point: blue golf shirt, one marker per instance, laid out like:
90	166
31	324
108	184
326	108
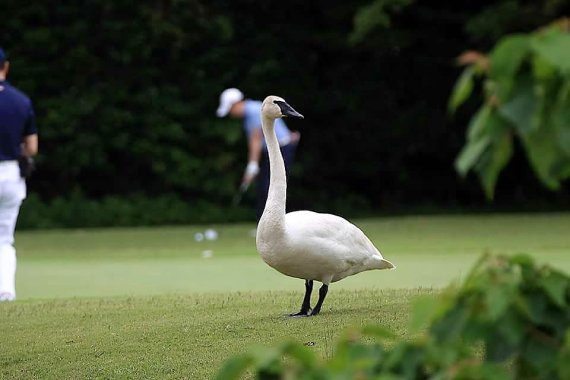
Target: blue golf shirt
17	120
252	121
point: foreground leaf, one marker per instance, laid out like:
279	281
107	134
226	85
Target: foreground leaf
463	88
470	154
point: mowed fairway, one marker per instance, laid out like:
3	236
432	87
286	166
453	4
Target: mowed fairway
144	303
428	251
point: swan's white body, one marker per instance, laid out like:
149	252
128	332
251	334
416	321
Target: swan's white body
321	247
306	244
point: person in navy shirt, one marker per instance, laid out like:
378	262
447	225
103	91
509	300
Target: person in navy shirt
18	140
233	103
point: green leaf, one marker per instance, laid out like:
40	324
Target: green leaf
462	90
543	153
471	152
423	311
304	355
563	171
522	260
497	156
498	349
404	358
535	305
451	325
478	122
553	45
266	359
563	365
540	354
512	328
556	285
506	59
560	117
497	301
542	69
519	110
234	367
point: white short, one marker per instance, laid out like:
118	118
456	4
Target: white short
12	193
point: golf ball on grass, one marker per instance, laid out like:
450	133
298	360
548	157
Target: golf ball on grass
198	236
211	234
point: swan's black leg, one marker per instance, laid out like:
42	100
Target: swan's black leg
306	307
322	294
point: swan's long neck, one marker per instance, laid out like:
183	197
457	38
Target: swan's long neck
274	211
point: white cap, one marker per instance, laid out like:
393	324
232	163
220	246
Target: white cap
228	98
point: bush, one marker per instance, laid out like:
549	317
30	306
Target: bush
509	320
137	210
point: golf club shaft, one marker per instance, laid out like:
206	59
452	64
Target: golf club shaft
242	189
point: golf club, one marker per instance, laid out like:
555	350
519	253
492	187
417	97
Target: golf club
241	191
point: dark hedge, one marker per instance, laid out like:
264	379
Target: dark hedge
125	94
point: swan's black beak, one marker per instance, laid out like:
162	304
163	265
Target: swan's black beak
287	110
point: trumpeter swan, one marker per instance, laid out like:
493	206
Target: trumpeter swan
306	244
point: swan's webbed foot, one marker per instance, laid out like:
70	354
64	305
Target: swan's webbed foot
313	313
302	313
306	306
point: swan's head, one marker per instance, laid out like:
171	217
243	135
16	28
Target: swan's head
276	107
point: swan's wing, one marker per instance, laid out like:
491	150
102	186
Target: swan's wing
331	231
320	247
331	244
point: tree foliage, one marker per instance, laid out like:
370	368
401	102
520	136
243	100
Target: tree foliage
509	320
526	88
125	93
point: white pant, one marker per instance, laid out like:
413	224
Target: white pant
12	193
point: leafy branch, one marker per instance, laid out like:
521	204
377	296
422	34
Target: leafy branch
526	94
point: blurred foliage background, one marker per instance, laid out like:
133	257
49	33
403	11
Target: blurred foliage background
125	93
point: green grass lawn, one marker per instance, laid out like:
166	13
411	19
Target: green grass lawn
143	303
186	336
428	251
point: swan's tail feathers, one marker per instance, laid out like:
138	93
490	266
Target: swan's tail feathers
385	264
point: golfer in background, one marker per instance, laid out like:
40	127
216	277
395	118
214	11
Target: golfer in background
18	143
232	103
